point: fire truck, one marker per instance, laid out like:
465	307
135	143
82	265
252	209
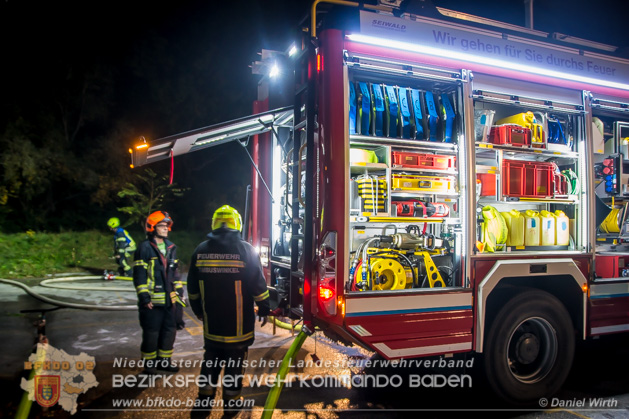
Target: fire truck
431	183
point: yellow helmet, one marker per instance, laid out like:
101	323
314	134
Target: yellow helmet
113	222
226	216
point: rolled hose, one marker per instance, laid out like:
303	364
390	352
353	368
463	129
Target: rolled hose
53	283
65	304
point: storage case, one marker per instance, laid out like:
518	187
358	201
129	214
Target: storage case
527	120
425	161
423	183
528	179
488	184
511	134
612	266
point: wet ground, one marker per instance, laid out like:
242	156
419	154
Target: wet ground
326	380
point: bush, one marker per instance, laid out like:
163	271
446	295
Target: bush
35	255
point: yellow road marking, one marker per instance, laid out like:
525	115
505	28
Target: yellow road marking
571	412
194	319
194	331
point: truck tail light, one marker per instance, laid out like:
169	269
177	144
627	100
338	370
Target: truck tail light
327	281
326	292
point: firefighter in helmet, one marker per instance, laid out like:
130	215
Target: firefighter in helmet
224	281
124	246
160	291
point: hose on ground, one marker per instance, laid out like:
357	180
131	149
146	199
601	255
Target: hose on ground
284	325
274	394
54	283
66	304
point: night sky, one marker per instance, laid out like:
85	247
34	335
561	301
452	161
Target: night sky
182	65
42	36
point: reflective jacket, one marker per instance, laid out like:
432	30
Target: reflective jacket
155	276
224	281
123	242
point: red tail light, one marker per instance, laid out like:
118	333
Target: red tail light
326	292
326	281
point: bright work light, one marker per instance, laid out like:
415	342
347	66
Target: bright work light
275	71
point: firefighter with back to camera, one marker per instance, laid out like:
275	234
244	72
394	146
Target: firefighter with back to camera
160	290
224	281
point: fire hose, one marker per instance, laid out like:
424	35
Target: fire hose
274	394
66	304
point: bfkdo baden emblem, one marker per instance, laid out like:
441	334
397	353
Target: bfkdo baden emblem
47	389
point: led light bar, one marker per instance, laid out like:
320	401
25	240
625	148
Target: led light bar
422	49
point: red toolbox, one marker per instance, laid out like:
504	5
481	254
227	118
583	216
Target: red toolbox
423	161
528	179
510	134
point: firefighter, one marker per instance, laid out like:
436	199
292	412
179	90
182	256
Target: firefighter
124	246
160	290
224	281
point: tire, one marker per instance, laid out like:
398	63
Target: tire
529	348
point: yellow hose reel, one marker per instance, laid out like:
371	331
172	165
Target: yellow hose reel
388	274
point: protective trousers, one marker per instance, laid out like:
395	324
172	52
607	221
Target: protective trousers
123	263
229	356
158	332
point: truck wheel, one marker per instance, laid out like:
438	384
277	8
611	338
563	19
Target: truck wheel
529	347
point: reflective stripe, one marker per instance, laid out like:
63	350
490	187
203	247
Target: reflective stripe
149	355
238	291
231	394
206	324
262	296
141	288
229	339
207	391
164	354
221	263
194	296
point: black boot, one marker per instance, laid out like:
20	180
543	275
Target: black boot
149	367
202	406
166	365
234	410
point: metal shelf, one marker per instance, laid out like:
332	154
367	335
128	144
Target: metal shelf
356	168
407	193
397	168
569	199
414	144
390	219
529	151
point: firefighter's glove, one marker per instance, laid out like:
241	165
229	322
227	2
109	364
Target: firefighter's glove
176	298
263	320
277	312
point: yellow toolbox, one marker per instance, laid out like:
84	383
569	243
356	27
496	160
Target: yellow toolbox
423	183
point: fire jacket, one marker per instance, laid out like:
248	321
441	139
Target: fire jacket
123	242
224	281
155	276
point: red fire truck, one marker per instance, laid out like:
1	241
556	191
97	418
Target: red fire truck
438	183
